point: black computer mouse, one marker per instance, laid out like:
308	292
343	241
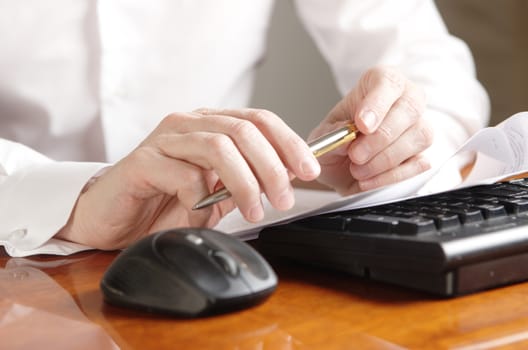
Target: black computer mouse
188	272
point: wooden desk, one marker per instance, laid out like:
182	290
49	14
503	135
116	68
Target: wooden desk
55	302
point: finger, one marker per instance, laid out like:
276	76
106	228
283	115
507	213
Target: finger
290	147
261	157
212	151
412	142
409	168
405	113
155	173
380	88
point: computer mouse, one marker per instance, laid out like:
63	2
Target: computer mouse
188	272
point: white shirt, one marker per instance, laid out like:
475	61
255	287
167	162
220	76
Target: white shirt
83	82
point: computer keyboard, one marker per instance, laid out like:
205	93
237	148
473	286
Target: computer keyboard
450	243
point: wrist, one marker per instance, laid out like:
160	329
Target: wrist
67	232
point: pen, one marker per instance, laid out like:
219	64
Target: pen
319	146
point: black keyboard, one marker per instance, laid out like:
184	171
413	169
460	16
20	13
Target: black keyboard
449	243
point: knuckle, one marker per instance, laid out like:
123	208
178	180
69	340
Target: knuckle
389	159
384	134
427	135
202	110
159	141
296	142
260	113
163	144
367	78
278	171
193	177
393	77
253	186
397	175
141	154
171	119
422	165
371	183
424	136
412	105
243	129
220	145
263	116
384	75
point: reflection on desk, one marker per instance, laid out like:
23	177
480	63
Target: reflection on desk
36	312
56	303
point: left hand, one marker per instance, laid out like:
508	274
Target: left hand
387	109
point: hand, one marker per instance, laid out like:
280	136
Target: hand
188	156
387	109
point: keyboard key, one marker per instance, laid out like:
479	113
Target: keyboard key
492	211
327	222
515	206
369	223
414	225
466	215
443	220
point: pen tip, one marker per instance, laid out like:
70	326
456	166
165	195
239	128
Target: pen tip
196	206
214	198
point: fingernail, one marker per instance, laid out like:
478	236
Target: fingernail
256	213
310	167
369	119
286	200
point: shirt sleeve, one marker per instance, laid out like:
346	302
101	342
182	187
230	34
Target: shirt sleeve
37	196
411	36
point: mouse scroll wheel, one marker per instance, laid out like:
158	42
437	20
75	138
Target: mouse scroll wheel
227	263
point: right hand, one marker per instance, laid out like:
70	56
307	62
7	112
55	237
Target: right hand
388	110
188	156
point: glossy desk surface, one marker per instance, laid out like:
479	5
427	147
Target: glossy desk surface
55	303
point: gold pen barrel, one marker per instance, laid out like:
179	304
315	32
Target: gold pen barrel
333	140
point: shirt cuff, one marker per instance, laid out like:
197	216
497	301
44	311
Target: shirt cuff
37	202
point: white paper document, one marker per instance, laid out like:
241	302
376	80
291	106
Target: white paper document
499	151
